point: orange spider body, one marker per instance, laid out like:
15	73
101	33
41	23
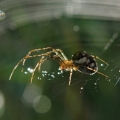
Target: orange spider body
67	65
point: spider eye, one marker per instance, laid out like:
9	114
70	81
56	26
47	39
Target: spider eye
85	62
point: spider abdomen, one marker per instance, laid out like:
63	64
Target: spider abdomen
85	63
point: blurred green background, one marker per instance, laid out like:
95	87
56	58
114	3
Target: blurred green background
71	26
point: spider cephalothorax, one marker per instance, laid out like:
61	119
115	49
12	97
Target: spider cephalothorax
81	61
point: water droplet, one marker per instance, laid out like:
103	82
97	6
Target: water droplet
81	88
59	68
30	70
39	78
26	72
44	71
52	76
95	83
101	64
60	72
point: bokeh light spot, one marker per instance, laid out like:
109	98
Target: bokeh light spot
30	93
76	28
41	104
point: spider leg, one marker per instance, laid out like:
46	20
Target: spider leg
57	58
98	72
103	62
15	68
102	74
61	59
63	55
39	49
39	55
26	57
35	50
32	56
56	51
38	65
71	71
55	54
100	59
60	56
34	71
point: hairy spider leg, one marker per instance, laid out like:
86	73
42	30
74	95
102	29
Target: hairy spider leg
103	62
35	50
38	65
100	59
15	68
55	57
26	57
39	49
71	71
63	55
47	48
98	72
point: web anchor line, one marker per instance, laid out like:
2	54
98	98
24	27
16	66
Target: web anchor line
117	81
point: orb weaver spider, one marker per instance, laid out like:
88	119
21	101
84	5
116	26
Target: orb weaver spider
81	61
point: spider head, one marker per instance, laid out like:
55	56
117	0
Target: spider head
85	62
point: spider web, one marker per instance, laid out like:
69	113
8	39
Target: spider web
59	79
56	81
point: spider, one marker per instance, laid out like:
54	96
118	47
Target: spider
81	61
